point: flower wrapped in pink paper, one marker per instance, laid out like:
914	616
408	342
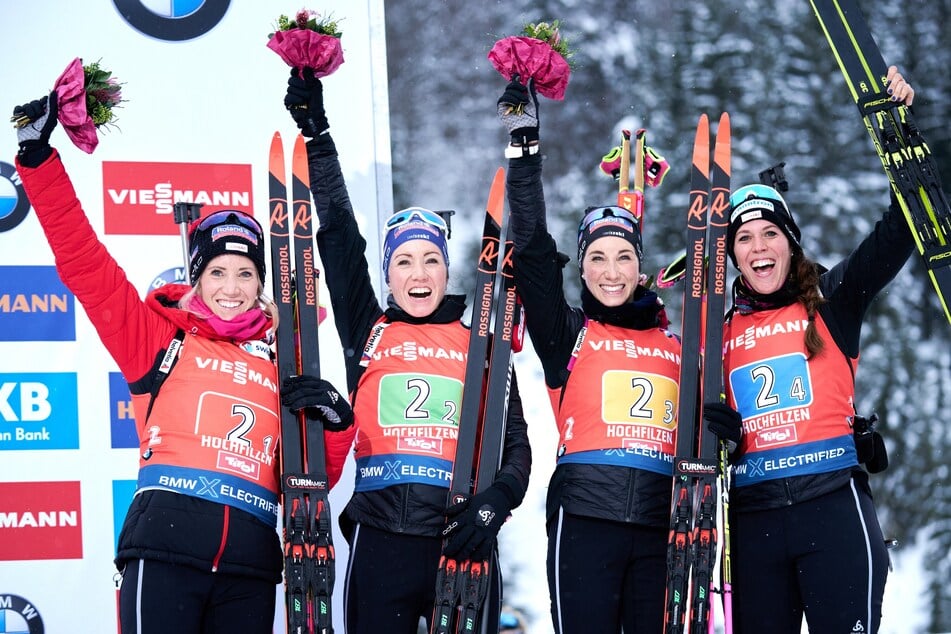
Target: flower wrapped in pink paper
541	53
85	97
308	41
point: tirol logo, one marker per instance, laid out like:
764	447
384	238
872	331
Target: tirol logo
172	20
35	305
38	411
139	197
121	417
14	205
40	520
18	616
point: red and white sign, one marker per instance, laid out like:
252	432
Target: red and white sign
40	520
139	197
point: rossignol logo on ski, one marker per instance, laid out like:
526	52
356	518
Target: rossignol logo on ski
489	257
279	215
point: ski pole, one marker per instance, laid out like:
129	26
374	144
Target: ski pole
184	214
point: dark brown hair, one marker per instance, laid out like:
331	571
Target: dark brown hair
805	276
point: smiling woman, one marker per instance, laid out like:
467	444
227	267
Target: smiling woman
801	498
211	341
406	402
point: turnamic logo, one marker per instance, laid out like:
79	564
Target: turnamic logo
172	20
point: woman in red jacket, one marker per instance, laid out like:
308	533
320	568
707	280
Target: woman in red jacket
198	551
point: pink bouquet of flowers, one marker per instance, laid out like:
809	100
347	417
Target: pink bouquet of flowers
308	41
539	52
85	97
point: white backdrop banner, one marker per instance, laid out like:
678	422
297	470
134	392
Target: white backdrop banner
203	97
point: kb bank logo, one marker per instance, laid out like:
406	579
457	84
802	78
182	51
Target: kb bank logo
18	615
14	205
172	20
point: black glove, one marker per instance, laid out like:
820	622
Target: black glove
473	525
305	102
318	399
518	110
35	122
725	422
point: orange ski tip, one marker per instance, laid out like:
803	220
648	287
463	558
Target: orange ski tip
721	151
299	165
497	196
276	158
701	145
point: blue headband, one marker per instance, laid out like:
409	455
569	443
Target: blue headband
413	230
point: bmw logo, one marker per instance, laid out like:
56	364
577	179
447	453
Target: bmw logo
169	276
172	20
14	205
18	615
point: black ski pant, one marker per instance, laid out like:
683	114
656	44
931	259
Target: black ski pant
391	583
824	557
605	575
157	597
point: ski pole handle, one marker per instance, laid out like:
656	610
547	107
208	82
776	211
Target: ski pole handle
184	214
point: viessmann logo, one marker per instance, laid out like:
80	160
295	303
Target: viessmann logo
35	305
40	520
172	20
139	197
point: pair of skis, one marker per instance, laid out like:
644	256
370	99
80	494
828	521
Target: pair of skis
699	462
308	543
905	155
462	586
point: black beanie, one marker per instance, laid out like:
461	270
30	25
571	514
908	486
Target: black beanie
599	222
225	232
760	202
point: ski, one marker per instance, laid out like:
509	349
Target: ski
461	586
692	540
906	157
308	546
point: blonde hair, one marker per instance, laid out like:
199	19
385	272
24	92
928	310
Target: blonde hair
264	302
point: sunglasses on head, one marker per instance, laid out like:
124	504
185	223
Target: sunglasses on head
416	214
225	216
606	212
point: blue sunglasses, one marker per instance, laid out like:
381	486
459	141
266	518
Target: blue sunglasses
225	216
606	212
416	214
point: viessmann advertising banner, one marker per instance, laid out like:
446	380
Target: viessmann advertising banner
202	97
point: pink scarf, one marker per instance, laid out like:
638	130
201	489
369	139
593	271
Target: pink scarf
242	328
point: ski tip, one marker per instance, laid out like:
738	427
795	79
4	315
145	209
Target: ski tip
701	145
497	196
299	166
721	151
277	145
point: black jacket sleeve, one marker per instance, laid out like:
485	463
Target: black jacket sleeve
342	254
524	190
852	284
552	324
